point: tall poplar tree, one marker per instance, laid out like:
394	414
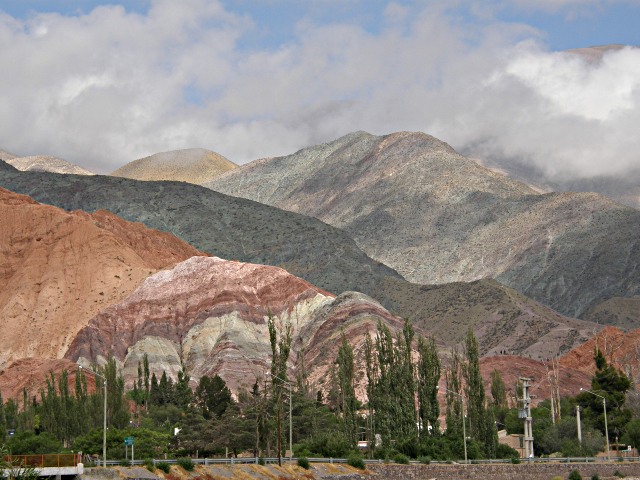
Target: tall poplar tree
347	395
280	350
481	422
428	377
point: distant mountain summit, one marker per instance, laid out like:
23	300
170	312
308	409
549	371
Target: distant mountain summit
413	203
193	165
45	163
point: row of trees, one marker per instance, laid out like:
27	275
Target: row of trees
403	409
402	413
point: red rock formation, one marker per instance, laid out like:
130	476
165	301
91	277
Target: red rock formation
32	373
619	348
206	313
211	315
58	269
512	367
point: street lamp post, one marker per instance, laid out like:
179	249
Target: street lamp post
290	387
604	405
104	430
464	428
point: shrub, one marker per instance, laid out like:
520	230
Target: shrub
125	462
164	466
595	476
401	458
575	475
304	463
356	461
515	460
186	463
619	474
261	461
148	463
425	460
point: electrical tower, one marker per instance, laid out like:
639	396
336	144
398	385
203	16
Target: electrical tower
525	413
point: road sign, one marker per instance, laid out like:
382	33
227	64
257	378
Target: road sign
128	441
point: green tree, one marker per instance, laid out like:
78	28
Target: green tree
498	390
612	384
183	395
280	350
212	396
481	422
348	403
3	421
428	377
117	408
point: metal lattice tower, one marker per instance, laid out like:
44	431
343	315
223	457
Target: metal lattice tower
525	413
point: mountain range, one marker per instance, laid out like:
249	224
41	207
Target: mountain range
413	203
325	256
111	266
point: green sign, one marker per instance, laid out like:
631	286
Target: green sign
128	441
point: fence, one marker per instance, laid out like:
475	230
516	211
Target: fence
49	460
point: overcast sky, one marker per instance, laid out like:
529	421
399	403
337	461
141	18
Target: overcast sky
102	84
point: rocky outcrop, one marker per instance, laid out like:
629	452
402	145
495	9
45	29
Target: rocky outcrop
413	203
45	163
31	374
210	315
193	165
58	269
618	347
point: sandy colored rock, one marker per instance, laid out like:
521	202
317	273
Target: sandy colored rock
45	163
193	165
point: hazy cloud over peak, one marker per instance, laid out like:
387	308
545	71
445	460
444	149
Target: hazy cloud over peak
103	88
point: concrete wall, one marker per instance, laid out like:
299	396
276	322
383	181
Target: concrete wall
523	471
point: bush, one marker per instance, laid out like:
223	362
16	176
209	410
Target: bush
617	473
125	462
575	475
425	460
356	461
515	460
595	476
186	463
148	463
401	458
261	461
505	451
164	466
304	463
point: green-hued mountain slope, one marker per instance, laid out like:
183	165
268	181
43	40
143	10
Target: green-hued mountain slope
413	203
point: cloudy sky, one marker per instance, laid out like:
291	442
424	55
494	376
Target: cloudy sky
100	84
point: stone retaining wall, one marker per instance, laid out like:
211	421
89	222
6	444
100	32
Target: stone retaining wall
523	471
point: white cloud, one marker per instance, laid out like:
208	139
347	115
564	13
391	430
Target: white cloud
111	86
